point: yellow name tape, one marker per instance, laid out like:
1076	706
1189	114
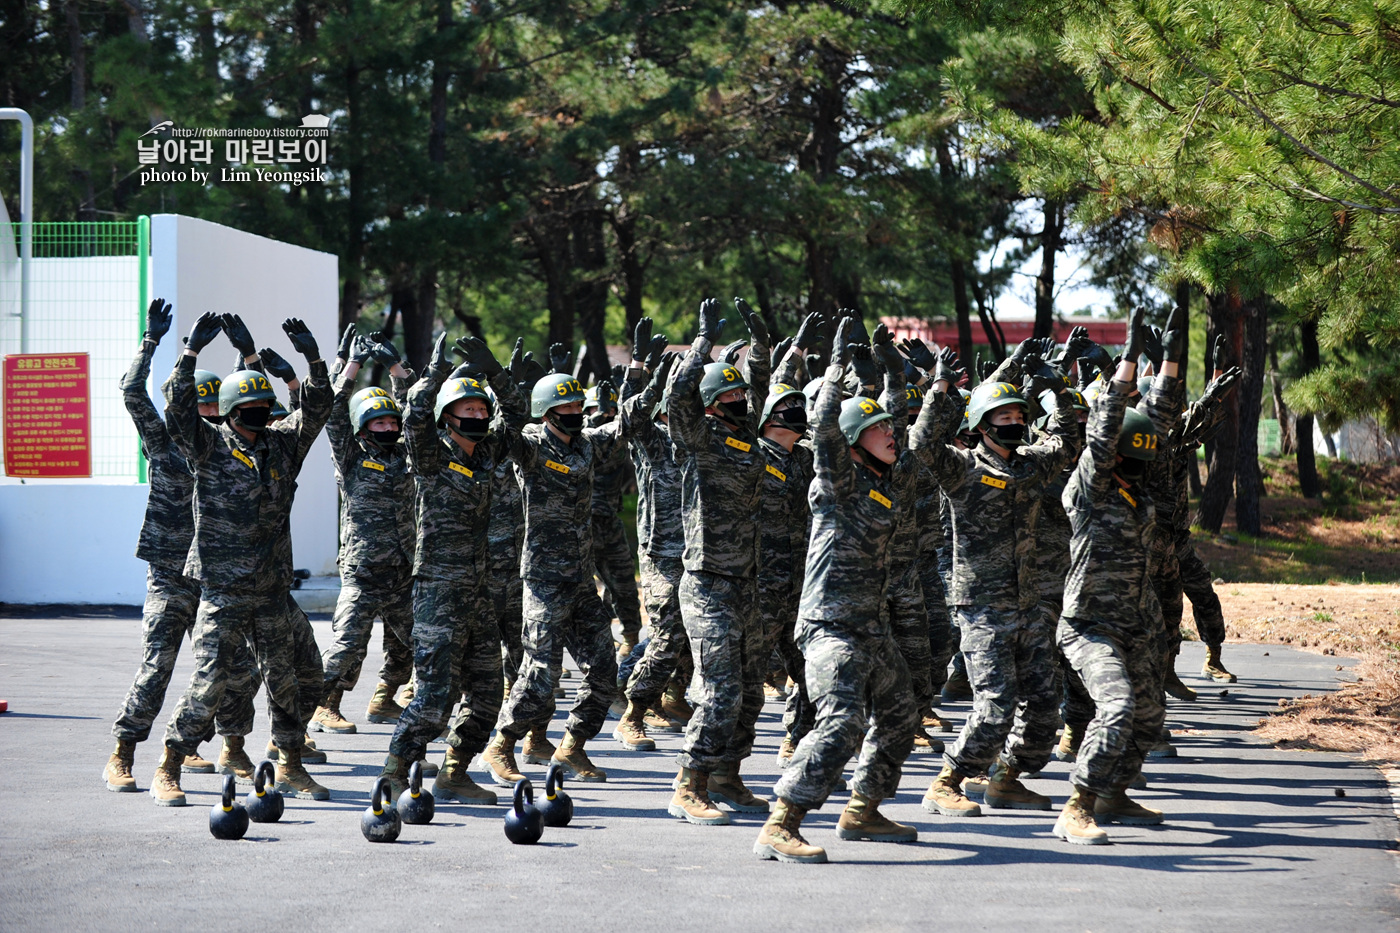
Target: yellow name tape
459	468
777	472
1124	493
881	499
556	467
994	482
242	458
373	466
738	445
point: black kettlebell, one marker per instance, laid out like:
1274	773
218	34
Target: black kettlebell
558	807
227	818
524	825
380	822
415	806
264	805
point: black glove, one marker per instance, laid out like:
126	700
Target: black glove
841	345
641	340
1042	376
1137	328
238	335
440	363
158	320
533	372
1075	347
1174	340
659	343
1220	354
1152	345
711	324
859	334
518	359
811	331
205	329
361	350
383	350
1097	358
985	368
816	365
476	354
559	357
883	345
275	364
757	329
947	367
919	354
1221	386
730	354
863	364
1024	349
300	336
662	372
346	340
779	351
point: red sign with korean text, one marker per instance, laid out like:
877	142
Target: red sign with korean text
46	412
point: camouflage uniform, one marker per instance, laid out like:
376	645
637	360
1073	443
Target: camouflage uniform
1110	627
722	474
456	644
613	556
956	662
931	545
856	674
504	534
1052	567
378	535
1005	642
172	599
242	506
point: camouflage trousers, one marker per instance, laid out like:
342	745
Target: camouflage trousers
1010	665
456	655
1193	578
667	642
613	562
942	638
172	599
562	614
860	686
363	598
507	592
779	595
1121	672
726	642
909	626
229	622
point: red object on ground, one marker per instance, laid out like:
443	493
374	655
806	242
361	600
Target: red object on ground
4	707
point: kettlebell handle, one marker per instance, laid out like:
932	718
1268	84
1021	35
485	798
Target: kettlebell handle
229	793
524	789
415	779
553	781
262	777
376	798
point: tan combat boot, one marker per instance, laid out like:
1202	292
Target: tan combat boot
328	718
945	795
575	761
975	786
1076	824
382	708
1214	669
726	786
310	754
957	686
691	801
538	749
1120	808
631	730
117	774
193	764
1164	747
1070	740
499	758
234	760
626	647
862	819
165	785
292	778
1173	685
396	772
781	837
926	744
1005	792
934	722
406	692
785	751
453	783
656	720
674	706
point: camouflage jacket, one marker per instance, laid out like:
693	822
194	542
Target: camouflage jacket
1111	563
168	528
506	530
722	470
659	529
243	490
995	504
454	488
1052	540
785	518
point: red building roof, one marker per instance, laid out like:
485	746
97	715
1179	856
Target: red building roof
945	333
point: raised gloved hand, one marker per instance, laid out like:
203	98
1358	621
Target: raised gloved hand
809	335
662	372
882	342
863	364
1137	334
560	358
274	363
780	350
730	354
205	329
476	354
383	350
757	329
858	334
439	361
1075	347
985	368
641	340
841	344
947	367
300	336
1174	340
1220	353
1152	345
238	335
1219	388
919	354
158	320
711	324
361	350
1043	376
347	340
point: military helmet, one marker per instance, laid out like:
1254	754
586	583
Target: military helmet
552	391
1144	385
859	413
1092	391
454	389
963	428
206	387
913	396
1138	437
776	393
590	400
376	407
810	390
1048	403
242	387
990	396
718	379
360	396
278	412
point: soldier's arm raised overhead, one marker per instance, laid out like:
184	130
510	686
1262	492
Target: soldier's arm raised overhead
155	439
833	470
420	421
933	434
194	436
316	394
685	409
758	365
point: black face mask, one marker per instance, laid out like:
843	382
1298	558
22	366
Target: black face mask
569	424
971	439
794	419
254	419
214	419
385	439
913	416
473	429
736	411
1131	469
1009	435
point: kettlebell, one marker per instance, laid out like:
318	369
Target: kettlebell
524	825
380	822
415	806
264	805
227	818
558	807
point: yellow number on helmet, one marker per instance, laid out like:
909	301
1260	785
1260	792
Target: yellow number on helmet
730	374
867	406
563	388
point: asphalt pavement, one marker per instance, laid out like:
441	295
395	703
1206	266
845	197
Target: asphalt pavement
1256	838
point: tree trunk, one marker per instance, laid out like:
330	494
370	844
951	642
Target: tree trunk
1307	460
962	307
1226	319
996	340
417	325
591	290
1051	242
87	206
1249	483
350	294
1285	422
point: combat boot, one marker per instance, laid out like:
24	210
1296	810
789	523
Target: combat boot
575	761
1070	740
785	751
310	754
657	721
234	760
1120	808
453	783
1214	669
382	708
631	730
499	758
1164	747
626	647
292	778
781	837
862	819
934	722
165	785
1005	792
193	764
405	696
117	774
1076	824
328	718
945	795
925	743
674	706
395	771
538	749
975	786
726	786
1176	688
691	801
957	686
